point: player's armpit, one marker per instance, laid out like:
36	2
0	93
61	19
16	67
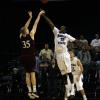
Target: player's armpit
32	33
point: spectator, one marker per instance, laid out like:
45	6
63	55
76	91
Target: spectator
48	52
82	39
95	42
96	60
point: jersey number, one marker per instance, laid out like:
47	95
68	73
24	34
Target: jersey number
26	44
62	39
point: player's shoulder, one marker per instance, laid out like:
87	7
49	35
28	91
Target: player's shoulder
42	50
93	40
20	35
50	50
55	28
76	58
67	34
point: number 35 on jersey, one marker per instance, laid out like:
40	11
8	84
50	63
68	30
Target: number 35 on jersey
26	44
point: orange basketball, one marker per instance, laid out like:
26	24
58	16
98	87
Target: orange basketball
44	1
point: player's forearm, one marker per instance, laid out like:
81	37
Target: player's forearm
36	23
28	22
49	21
37	19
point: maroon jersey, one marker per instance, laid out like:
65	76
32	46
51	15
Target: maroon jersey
27	45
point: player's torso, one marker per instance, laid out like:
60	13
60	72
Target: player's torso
61	41
27	45
75	68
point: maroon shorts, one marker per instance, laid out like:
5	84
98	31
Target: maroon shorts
28	62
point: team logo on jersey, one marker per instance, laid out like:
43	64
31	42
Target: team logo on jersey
62	39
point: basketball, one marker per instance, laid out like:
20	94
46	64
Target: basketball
44	1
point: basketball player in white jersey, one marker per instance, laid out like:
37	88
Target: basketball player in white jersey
77	70
61	39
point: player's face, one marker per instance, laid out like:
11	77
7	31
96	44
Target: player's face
81	37
97	36
71	54
62	29
46	46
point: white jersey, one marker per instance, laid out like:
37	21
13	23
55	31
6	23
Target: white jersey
61	41
95	42
75	68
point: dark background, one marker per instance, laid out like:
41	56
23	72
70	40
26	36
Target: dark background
80	16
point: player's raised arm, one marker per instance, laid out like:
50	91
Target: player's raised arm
29	20
33	31
49	21
51	24
24	29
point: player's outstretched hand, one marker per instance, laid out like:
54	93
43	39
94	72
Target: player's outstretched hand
30	13
42	12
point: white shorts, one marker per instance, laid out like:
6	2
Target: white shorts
64	63
79	84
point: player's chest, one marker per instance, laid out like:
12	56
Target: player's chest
61	38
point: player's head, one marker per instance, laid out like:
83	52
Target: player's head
81	36
71	54
24	30
46	46
63	29
97	36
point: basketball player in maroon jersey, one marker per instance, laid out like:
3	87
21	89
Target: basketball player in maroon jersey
27	54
